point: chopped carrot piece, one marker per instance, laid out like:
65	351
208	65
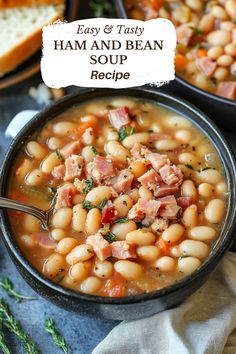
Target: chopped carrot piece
180	62
114	287
163	245
201	52
83	126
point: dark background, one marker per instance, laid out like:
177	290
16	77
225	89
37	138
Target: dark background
82	334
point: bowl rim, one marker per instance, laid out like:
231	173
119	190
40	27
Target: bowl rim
120	8
201	120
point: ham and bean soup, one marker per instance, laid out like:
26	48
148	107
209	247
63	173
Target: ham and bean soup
139	194
206	39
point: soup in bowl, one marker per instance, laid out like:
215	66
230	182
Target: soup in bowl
206	40
143	191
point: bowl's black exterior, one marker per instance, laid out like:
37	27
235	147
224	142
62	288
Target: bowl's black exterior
134	306
219	109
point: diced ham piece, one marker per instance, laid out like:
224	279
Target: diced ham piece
160	225
184	34
72	148
227	89
65	196
149	208
206	66
43	240
58	172
138	151
169	208
101	247
88	136
171	175
123	182
164	190
102	167
123	250
184	202
79	185
119	117
74	167
157	160
170	211
150	179
168	200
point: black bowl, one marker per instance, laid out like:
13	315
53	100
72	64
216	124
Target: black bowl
219	109
140	305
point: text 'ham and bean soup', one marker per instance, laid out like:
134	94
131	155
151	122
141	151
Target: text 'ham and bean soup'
206	39
140	196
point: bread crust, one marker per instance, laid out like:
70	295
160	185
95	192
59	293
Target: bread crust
4	4
22	51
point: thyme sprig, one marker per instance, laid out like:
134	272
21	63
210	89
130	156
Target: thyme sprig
7	286
14	326
3	346
59	341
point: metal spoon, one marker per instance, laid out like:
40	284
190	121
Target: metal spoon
43	216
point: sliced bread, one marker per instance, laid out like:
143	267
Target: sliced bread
21	32
18	3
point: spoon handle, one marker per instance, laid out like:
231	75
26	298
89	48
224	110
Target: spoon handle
15	205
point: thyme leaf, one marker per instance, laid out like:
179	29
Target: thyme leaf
58	340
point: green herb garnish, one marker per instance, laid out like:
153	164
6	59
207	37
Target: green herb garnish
198	31
7	285
87	205
132	130
58	155
14	326
102	204
122	133
52	191
121	220
3	346
94	150
110	237
58	340
89	185
189	166
102	8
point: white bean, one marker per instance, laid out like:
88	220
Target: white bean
129	270
219	37
140	237
36	150
35	178
221	73
54	143
117	151
79	254
173	233
31	224
28	241
138	168
166	145
103	269
148	253
221	188
141	138
194	248
165	264
188	189
93	221
123	204
62	218
80	270
66	245
97	194
183	135
227	25
187	265
63	128
145	193
230	7
210	176
230	49
195	5
215	211
58	234
88	154
90	285
50	162
219	12
122	229
225	60
190	216
206	23
202	233
54	265
215	52
205	190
